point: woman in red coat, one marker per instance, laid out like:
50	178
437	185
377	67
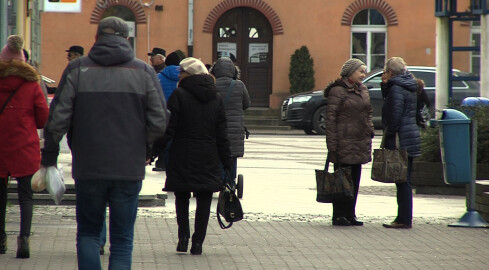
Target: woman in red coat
24	111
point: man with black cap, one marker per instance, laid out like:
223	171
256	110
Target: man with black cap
74	52
157	58
112	107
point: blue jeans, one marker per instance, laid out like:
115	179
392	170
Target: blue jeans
91	201
405	198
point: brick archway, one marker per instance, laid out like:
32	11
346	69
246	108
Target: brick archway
379	5
259	5
134	6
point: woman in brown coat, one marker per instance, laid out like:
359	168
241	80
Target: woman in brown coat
349	132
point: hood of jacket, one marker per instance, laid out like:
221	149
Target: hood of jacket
14	72
110	50
200	86
406	81
340	82
224	67
171	72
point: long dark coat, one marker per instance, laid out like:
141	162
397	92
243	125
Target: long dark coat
399	114
198	129
238	101
349	128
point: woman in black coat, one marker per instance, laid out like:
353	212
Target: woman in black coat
399	89
199	147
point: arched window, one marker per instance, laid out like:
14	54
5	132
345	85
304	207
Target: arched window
369	38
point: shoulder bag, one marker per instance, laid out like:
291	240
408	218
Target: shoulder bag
228	204
333	186
389	166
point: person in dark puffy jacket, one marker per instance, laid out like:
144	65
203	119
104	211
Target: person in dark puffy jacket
235	99
399	89
22	115
349	132
199	147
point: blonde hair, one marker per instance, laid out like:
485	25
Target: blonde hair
396	65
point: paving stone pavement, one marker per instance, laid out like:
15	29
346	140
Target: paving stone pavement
259	243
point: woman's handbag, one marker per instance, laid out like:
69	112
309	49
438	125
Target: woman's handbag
228	204
333	186
389	166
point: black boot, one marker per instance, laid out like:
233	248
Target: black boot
182	244
196	248
3	245
23	247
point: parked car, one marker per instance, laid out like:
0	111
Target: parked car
306	110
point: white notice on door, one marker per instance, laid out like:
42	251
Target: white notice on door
258	52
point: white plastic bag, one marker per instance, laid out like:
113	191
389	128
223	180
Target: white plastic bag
55	183
38	181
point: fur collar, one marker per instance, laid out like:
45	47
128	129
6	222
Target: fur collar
20	69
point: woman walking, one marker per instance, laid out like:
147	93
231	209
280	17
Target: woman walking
349	132
399	89
235	99
23	110
199	147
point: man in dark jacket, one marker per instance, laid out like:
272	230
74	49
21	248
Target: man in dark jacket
399	118
112	108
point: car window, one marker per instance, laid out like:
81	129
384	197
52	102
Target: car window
374	82
427	76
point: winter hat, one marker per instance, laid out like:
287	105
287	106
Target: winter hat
193	66
13	49
350	66
172	59
113	26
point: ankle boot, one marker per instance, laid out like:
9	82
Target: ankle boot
182	244
3	245
23	247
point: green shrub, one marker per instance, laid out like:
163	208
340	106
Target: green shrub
301	73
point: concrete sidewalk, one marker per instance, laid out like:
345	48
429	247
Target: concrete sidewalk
266	244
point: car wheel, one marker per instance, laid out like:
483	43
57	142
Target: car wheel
318	120
239	186
309	131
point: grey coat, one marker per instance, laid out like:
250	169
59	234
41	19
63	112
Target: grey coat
112	107
238	101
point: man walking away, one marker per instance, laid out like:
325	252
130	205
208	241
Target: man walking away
112	107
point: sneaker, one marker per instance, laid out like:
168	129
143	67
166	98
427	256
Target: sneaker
341	221
397	225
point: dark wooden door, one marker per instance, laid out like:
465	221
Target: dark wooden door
245	35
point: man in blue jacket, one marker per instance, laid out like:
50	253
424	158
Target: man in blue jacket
111	106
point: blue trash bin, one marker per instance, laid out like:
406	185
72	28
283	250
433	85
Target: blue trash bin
455	147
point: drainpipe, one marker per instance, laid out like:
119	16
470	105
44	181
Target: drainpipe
442	53
190	41
3	22
484	72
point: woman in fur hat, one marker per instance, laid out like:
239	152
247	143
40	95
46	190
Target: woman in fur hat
23	110
349	132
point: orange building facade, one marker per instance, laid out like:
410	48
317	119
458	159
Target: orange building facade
263	34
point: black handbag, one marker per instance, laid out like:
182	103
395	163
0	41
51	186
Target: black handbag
228	204
334	186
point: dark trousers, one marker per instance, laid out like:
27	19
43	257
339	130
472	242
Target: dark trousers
25	202
346	208
182	200
405	198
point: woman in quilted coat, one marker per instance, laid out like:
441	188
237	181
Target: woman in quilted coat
349	132
399	89
20	154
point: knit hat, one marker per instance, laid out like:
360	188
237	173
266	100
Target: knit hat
350	66
113	26
193	66
172	59
13	49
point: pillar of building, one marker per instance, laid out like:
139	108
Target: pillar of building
442	55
